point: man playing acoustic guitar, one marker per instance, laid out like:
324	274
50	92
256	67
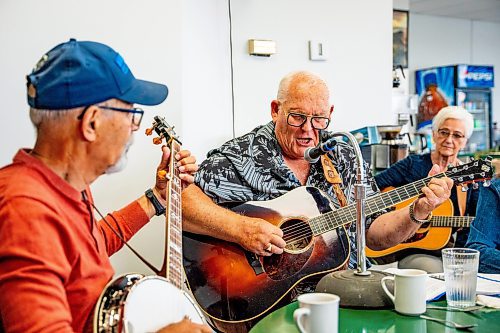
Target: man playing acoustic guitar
267	163
54	260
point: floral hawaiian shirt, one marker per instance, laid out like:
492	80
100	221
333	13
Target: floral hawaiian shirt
251	168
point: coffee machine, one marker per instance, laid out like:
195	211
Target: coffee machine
389	150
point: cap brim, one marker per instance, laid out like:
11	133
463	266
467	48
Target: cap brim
145	93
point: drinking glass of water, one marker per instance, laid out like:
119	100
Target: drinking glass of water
460	276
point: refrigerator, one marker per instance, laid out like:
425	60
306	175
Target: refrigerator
464	85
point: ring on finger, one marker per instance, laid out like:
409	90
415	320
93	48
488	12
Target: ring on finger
269	248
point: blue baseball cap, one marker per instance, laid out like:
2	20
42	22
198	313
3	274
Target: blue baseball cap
81	73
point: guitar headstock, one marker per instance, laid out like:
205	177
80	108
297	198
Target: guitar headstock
472	172
163	129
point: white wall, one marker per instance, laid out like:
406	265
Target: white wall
206	103
436	41
358	70
184	43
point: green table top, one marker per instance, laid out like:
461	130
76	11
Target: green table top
365	321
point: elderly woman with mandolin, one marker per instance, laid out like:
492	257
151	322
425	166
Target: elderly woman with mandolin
451	128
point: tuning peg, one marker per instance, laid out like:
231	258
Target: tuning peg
149	131
487	183
157	141
475	186
464	188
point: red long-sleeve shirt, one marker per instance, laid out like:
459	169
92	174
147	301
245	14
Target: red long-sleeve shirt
53	254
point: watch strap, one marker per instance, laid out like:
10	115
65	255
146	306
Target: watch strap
159	209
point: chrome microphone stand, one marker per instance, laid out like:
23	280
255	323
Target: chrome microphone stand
358	288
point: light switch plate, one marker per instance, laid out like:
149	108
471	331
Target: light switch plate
317	50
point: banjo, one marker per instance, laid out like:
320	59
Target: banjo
135	303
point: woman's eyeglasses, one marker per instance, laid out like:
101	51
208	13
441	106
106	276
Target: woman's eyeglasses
444	134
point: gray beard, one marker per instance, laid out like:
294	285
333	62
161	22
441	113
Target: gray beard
122	162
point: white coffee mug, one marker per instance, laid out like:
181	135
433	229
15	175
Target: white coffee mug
409	291
317	313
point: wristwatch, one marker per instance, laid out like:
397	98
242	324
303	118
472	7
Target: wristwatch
160	210
414	219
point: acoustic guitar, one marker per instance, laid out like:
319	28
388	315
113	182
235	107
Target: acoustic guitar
434	235
134	303
235	288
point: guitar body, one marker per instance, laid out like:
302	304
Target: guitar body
133	303
234	286
427	238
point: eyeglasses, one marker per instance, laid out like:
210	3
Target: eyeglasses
298	119
137	113
444	134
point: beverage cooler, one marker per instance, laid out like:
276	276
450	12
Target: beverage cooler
468	86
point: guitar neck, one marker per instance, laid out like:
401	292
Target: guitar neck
472	171
452	221
374	204
172	265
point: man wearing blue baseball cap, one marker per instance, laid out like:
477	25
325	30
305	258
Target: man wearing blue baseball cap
53	252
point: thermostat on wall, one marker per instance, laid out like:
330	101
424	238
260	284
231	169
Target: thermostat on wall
261	47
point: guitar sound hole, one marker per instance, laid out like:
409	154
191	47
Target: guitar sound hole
297	235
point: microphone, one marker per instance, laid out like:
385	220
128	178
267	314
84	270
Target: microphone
312	155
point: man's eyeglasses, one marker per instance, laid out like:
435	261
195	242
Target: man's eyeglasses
137	113
298	119
444	134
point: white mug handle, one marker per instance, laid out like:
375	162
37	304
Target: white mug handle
391	296
297	316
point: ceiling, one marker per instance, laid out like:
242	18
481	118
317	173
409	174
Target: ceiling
479	10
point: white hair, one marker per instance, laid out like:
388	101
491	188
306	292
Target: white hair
454	112
39	116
